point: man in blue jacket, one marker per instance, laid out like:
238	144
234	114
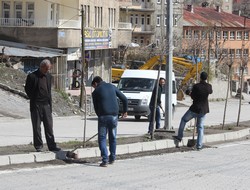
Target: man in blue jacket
198	109
106	107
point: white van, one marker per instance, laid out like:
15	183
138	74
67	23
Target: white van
137	86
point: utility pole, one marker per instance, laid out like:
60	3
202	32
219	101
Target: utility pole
169	66
83	95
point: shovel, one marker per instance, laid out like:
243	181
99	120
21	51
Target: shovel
192	142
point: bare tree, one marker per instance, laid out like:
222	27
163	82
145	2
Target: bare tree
229	62
243	64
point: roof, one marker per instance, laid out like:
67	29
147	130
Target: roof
24	50
206	16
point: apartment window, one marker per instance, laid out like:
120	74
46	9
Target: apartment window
18	13
136	19
232	35
211	35
239	71
165	20
6	12
196	34
239	35
203	34
224	52
238	53
188	34
148	19
142	40
158	1
111	17
96	16
98	19
101	16
246	52
132	19
135	40
175	19
87	15
142	20
158	20
225	35
157	42
246	35
218	35
30	11
232	53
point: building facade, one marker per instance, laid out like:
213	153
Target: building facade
214	34
161	21
58	24
226	5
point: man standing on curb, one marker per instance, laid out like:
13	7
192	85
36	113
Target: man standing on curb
38	89
107	109
198	109
157	114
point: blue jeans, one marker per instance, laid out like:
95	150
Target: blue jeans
199	124
157	118
107	124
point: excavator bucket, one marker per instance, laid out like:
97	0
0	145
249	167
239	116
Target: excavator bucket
180	95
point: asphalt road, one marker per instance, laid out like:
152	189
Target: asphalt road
226	167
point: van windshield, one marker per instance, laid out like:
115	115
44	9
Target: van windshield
136	84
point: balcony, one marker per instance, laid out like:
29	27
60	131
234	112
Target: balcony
124	26
22	22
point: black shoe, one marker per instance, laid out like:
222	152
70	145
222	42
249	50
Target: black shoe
111	162
103	164
39	150
197	148
176	138
55	149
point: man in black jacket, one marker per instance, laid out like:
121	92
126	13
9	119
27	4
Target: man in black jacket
198	109
38	89
156	96
106	107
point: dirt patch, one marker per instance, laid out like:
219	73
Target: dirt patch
22	149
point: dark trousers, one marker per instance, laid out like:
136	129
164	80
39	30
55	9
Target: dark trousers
42	113
157	118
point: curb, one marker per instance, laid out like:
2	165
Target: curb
121	149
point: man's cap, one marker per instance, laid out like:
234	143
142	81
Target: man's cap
203	76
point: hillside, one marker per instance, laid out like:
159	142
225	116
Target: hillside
13	80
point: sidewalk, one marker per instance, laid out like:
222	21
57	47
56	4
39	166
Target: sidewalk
34	157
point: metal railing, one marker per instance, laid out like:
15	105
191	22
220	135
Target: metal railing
23	22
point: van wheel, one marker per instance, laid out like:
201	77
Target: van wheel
137	117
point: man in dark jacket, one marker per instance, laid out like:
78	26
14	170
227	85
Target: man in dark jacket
38	89
156	97
106	107
198	109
